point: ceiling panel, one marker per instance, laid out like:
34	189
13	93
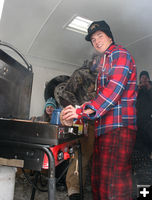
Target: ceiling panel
36	27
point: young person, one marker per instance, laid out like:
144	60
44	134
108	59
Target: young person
50	105
114	112
144	113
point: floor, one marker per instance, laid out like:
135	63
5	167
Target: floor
23	189
142	170
23	192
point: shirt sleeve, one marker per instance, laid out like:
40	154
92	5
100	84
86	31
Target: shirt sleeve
110	94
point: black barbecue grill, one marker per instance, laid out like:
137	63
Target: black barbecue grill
24	143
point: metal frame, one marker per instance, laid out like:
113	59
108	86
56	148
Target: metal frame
51	166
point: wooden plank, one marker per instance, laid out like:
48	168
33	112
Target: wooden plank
12	162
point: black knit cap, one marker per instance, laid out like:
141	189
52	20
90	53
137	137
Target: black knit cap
96	26
144	73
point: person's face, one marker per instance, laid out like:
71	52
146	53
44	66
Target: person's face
143	80
100	41
49	110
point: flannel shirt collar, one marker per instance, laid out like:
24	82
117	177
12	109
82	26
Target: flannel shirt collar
111	48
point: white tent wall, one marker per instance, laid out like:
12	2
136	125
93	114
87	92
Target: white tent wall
43	74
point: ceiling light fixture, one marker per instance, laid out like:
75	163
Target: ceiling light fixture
1	7
79	24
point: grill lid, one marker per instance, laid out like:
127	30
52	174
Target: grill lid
15	88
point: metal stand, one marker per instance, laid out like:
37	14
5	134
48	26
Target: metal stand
80	170
34	189
51	166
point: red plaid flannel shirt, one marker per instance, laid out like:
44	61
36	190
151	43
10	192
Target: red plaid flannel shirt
114	104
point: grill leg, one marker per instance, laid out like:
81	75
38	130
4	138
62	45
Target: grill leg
80	170
51	188
51	174
35	183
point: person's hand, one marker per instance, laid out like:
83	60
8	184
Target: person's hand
65	122
89	111
69	112
140	86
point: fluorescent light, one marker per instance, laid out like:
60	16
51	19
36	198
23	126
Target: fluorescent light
1	7
79	24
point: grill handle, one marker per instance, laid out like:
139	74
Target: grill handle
29	66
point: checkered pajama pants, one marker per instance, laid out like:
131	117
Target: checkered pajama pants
111	171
